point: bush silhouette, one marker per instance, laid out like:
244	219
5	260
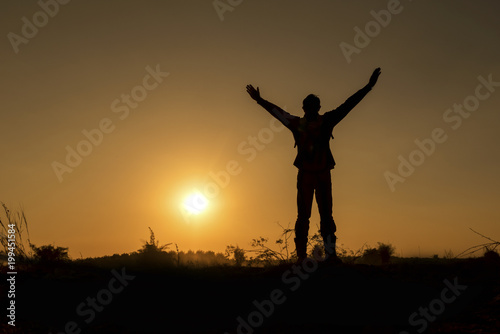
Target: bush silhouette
385	251
153	245
491	255
380	255
50	254
238	254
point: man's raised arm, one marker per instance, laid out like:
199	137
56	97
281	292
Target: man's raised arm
342	111
278	113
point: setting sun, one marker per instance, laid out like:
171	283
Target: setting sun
196	203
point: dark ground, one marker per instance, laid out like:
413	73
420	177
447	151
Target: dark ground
341	299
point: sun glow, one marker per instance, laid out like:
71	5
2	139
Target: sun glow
196	203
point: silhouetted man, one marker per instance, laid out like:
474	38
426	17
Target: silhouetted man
314	160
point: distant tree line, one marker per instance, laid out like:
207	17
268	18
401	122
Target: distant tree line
154	254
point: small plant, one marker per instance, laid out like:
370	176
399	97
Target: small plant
152	254
284	253
448	254
491	255
385	251
370	256
315	244
265	255
237	253
489	246
318	251
153	245
348	255
375	256
178	255
22	238
283	242
239	256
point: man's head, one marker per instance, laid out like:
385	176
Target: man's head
311	104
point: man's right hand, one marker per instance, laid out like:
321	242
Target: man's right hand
374	77
254	93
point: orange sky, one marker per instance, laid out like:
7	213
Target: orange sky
93	65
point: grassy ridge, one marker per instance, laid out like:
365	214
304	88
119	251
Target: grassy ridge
346	299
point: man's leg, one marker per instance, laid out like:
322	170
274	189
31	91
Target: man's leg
325	203
305	192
